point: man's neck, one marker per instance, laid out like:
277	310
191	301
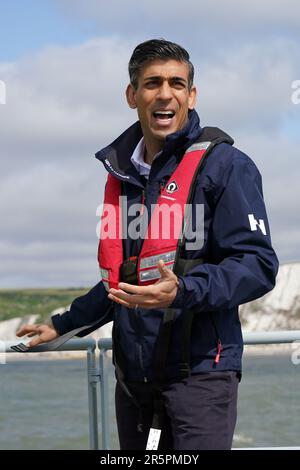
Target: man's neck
152	149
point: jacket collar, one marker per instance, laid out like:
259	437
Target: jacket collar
116	156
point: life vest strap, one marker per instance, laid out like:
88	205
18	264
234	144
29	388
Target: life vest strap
128	270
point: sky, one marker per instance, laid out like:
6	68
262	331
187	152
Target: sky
63	73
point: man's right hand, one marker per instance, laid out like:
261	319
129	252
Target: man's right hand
44	333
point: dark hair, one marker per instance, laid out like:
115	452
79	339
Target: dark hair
157	49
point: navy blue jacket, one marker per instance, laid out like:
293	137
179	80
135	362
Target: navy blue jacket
240	264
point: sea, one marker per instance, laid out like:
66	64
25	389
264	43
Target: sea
44	404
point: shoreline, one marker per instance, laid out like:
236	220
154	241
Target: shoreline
268	349
249	350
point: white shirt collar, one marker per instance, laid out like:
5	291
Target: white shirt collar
137	158
138	161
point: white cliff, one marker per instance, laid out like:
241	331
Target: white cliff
277	310
280	308
8	328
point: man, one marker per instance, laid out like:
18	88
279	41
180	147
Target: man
177	337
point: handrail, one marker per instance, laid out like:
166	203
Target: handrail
271	337
71	345
89	345
249	338
99	374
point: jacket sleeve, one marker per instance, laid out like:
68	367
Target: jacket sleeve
244	263
85	310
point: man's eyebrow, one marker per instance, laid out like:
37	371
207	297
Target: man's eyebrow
154	77
179	78
158	77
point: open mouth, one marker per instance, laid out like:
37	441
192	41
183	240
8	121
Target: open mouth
163	117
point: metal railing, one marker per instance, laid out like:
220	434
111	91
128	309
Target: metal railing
99	375
93	378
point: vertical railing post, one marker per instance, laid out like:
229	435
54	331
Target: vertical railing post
104	398
93	378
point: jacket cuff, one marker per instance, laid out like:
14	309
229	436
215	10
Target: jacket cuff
62	323
178	302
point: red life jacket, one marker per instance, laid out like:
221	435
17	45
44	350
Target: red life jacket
156	245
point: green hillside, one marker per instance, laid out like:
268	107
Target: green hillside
21	302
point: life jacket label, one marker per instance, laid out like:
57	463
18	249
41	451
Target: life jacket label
172	187
153	439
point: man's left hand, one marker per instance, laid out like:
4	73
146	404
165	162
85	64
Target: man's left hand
158	295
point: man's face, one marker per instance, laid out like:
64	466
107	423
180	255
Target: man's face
162	98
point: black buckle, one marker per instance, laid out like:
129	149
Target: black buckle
129	270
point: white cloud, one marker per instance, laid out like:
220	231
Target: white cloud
207	22
63	104
57	96
249	88
48	263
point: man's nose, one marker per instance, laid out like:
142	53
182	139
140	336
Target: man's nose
165	91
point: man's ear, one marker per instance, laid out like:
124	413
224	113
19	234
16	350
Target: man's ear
192	97
130	95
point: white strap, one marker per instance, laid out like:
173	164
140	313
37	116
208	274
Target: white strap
153	439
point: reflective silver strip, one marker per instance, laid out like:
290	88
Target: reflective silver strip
104	273
198	146
106	285
150	261
151	274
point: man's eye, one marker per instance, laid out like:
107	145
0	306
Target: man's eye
151	84
178	84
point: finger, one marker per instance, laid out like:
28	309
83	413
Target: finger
30	335
27	329
35	342
163	269
148	304
132	289
121	301
119	295
131	300
161	266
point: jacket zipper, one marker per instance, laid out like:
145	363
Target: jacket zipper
139	344
136	310
219	343
217	358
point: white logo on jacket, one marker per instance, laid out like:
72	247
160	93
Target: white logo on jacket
172	187
254	224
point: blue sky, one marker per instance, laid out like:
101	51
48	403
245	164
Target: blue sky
29	25
64	64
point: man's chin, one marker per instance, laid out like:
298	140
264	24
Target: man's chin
162	134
